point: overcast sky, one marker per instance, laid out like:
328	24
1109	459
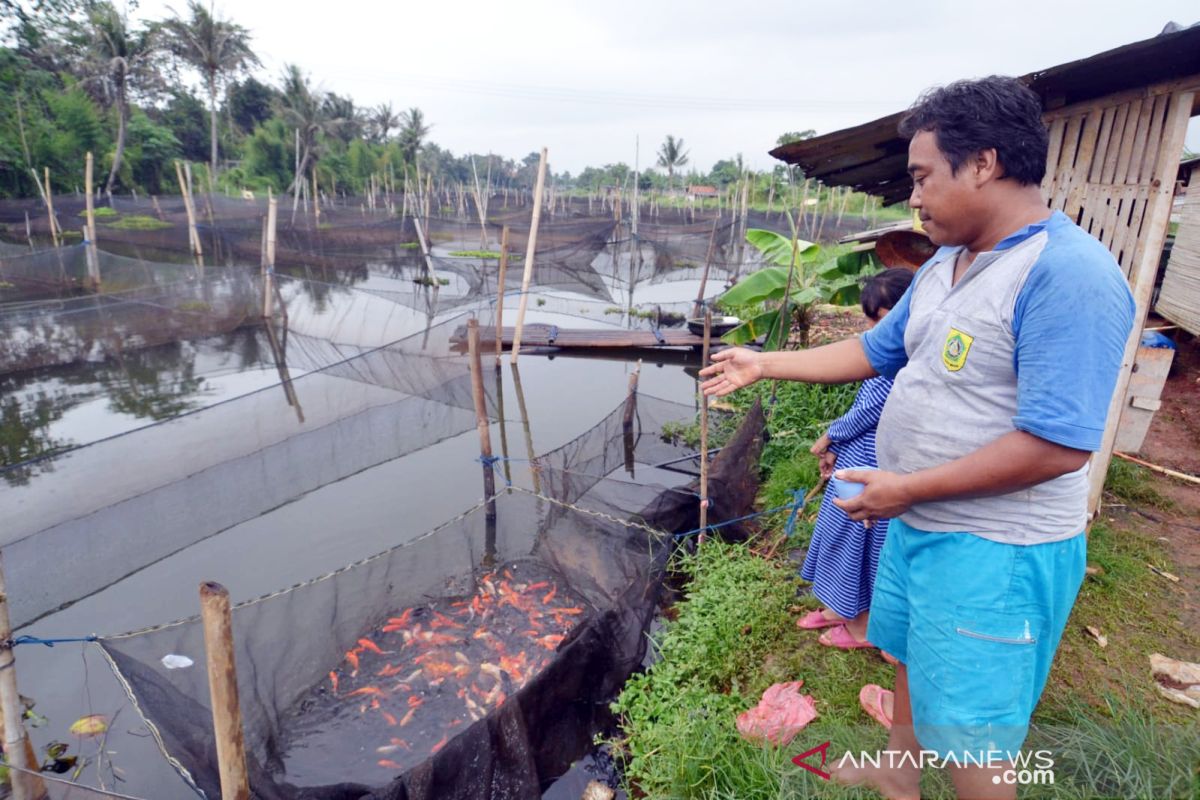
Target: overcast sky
587	79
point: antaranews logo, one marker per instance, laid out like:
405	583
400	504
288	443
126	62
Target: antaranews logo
1023	768
801	760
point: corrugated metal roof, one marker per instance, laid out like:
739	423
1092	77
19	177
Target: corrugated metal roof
873	158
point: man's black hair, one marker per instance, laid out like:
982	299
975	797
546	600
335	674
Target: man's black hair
970	116
884	289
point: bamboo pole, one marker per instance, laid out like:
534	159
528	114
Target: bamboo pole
50	210
193	236
534	474
627	437
29	233
1183	476
222	685
269	265
18	749
530	248
481	419
316	199
704	432
93	258
500	286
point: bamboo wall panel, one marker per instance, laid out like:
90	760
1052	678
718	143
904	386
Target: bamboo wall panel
1111	168
1179	298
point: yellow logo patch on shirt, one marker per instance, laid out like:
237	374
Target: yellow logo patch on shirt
954	354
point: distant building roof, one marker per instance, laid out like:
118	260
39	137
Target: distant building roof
873	157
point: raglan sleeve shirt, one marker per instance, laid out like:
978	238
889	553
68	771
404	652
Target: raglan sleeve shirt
1071	321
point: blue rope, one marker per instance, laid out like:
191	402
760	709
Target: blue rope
49	642
493	461
796	506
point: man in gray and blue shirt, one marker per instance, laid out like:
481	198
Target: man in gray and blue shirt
1005	353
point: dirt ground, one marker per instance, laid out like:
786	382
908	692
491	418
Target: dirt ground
1173	441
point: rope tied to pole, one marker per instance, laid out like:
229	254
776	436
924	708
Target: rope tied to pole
11	643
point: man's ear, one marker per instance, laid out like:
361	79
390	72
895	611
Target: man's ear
985	166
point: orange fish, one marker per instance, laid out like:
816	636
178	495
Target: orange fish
441	620
400	743
549	596
367	690
389	671
367	644
535	586
570	611
389	764
508	575
402	619
334	680
441	743
414	701
389	718
352	657
551	642
408	717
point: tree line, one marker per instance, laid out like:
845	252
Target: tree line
80	76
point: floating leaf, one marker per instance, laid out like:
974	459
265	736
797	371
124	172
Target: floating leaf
91	725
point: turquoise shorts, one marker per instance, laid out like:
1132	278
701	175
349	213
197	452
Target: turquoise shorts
977	623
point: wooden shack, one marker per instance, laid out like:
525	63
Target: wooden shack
1117	123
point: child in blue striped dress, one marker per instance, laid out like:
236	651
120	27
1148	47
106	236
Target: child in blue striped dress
843	555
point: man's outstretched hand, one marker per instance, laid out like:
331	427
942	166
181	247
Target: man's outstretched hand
731	369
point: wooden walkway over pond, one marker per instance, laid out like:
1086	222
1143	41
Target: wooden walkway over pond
541	336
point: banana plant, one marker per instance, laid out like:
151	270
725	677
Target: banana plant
798	273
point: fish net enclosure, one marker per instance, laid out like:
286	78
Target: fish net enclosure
462	653
475	660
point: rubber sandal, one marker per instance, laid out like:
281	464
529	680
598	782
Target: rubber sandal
889	658
870	697
840	638
815	620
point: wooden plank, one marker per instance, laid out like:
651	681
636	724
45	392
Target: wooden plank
1138	144
1187	83
1144	272
1128	135
1066	158
1107	116
1114	147
1056	138
1083	165
1152	154
1179	299
568	338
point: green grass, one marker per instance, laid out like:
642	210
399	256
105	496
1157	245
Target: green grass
408	245
100	213
139	223
1131	483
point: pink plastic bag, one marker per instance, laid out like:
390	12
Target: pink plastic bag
779	716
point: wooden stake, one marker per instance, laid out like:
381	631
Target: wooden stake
316	199
193	236
269	265
534	473
17	747
217	618
627	437
500	292
481	417
93	258
530	248
704	432
50	210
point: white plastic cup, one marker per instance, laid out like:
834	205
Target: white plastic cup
848	489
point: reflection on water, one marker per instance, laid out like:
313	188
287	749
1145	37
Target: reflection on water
48	410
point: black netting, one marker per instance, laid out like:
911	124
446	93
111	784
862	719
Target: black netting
474	661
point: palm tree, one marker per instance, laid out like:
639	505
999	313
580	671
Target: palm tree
351	120
113	59
304	109
412	132
384	119
671	155
216	48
